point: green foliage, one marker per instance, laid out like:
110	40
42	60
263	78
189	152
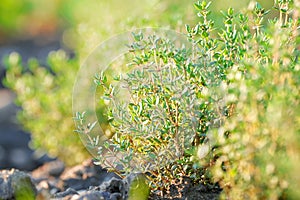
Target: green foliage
257	147
44	94
169	111
11	13
165	115
89	27
28	19
237	89
233	96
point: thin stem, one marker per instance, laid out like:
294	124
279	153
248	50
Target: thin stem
169	111
286	18
176	130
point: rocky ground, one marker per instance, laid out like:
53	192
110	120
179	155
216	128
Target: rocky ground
26	175
90	182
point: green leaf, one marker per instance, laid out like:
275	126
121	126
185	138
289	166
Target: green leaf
188	28
230	11
91	126
197	6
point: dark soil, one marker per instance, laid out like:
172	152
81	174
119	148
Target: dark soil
186	189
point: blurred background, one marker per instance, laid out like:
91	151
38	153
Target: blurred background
68	30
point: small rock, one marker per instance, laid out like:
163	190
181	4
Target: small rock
116	196
90	195
83	176
69	192
15	184
114	185
54	168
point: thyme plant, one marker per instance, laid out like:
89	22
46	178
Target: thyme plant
236	88
45	92
258	145
170	108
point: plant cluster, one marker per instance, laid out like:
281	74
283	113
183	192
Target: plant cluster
166	116
226	102
45	92
235	88
258	145
170	108
11	15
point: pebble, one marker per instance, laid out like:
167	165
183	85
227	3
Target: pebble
15	184
68	192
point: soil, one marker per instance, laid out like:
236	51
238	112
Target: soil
186	190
